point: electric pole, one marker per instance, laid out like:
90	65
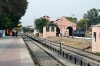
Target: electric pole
86	27
72	24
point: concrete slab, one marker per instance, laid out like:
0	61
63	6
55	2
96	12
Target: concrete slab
4	41
13	52
24	55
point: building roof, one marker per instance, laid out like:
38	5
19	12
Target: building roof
98	25
63	19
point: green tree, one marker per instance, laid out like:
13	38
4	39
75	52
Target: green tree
99	19
81	24
40	23
71	19
6	23
25	29
92	16
12	10
51	23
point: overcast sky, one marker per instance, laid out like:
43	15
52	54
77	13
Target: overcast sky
56	9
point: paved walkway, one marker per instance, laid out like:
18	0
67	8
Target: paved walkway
13	52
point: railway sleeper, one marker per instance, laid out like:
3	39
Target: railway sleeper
72	58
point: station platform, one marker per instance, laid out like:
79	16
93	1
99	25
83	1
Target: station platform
13	52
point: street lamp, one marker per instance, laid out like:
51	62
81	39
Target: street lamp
72	24
61	27
72	30
61	43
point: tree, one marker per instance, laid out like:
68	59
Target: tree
71	19
25	29
99	19
12	10
81	24
51	23
92	16
40	23
6	23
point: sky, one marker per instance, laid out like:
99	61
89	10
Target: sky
56	9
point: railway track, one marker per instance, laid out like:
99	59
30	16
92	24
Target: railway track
40	56
73	50
91	57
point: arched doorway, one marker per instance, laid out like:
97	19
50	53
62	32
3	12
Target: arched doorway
70	30
57	31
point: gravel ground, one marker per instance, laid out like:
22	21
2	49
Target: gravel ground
80	52
57	56
69	64
43	57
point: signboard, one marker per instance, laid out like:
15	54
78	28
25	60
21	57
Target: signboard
16	28
3	33
0	33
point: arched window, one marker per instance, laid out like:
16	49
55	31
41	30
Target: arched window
99	35
47	29
94	36
52	29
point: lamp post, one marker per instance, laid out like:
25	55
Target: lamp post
72	30
86	28
61	39
72	25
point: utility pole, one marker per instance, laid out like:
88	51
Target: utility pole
72	25
61	38
86	27
34	22
61	27
73	15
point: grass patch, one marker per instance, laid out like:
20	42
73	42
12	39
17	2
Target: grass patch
97	53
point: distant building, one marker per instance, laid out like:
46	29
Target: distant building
35	32
31	29
96	38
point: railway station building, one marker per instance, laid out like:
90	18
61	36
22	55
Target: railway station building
65	27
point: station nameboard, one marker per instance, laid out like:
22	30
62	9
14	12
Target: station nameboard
16	28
